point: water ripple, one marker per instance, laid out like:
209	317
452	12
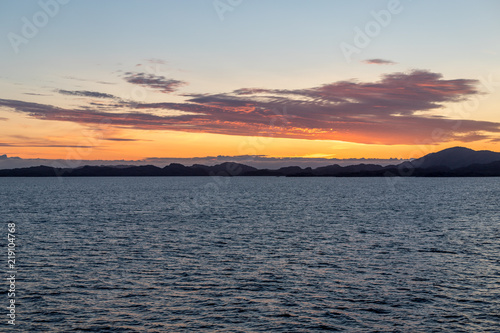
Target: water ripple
257	255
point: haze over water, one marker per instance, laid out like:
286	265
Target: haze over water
256	254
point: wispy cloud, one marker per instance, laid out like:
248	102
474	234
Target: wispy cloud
86	80
23	141
35	94
379	62
154	81
85	93
121	139
400	108
41	145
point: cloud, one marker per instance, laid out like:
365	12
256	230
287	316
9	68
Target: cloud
121	139
85	80
85	93
4	119
22	141
41	145
35	94
400	108
379	62
136	120
154	81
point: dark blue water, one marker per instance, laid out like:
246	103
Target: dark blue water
255	254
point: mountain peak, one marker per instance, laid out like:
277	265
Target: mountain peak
456	157
456	149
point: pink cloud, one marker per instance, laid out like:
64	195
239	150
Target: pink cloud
154	81
389	111
379	62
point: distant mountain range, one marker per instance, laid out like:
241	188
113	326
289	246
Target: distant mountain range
452	162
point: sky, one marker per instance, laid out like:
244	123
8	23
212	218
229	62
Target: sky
139	80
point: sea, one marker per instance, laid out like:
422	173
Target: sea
251	254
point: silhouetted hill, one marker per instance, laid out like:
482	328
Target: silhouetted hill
290	170
479	170
39	171
337	170
453	162
327	170
263	172
226	169
176	169
457	157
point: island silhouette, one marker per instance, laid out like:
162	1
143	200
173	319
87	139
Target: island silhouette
451	162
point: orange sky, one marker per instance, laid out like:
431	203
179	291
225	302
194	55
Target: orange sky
402	115
81	143
181	82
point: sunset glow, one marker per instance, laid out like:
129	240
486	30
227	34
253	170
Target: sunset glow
114	97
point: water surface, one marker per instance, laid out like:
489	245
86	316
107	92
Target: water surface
256	254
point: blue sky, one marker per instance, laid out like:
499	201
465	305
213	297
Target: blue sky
276	38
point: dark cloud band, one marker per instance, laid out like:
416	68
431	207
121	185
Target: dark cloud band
400	108
154	81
